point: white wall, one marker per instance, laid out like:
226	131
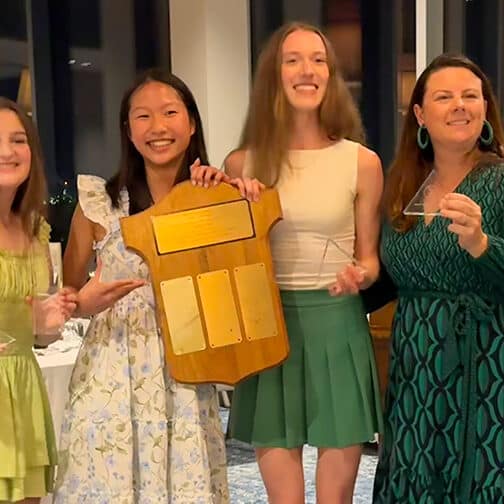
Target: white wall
210	51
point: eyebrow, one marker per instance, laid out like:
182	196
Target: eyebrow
449	91
297	53
167	104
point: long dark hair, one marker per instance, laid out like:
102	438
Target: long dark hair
412	164
30	197
131	173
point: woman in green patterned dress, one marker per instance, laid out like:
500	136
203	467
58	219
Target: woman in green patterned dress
27	444
444	432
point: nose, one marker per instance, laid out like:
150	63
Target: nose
158	123
307	67
459	102
6	149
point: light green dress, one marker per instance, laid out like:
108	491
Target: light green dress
27	441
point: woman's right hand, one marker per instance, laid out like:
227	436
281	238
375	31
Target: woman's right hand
96	296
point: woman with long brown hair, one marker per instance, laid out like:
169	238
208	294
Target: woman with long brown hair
27	443
302	136
444	426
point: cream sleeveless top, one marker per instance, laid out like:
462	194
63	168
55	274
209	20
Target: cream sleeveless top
317	195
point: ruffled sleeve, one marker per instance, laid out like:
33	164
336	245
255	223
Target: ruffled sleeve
96	204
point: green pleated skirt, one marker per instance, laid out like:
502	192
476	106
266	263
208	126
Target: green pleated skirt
326	393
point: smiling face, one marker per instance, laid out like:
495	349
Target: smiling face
304	70
453	108
15	152
160	126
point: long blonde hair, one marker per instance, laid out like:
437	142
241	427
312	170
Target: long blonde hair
267	127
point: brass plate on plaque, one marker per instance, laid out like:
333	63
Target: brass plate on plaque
209	225
219	309
182	314
256	303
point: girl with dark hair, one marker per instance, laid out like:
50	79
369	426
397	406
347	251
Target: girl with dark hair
444	429
27	443
131	433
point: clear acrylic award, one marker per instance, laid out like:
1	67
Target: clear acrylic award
422	202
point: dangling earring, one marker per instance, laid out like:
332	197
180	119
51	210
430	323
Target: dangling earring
422	137
488	139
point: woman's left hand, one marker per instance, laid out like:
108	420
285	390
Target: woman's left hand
205	176
466	219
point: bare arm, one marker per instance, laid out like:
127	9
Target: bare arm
234	163
79	250
367	213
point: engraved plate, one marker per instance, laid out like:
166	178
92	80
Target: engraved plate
203	227
182	314
256	303
219	309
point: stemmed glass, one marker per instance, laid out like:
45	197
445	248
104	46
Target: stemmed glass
47	315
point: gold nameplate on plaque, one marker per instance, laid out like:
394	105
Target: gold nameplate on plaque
256	303
219	308
183	317
208	226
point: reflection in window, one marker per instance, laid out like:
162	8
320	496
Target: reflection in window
15	80
343	29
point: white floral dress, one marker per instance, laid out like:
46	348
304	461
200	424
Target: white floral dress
131	434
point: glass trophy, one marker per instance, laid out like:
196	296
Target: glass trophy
421	203
338	250
47	316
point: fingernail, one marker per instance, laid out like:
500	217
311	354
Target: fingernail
193	182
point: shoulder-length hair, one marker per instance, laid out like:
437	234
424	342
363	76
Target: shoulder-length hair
267	127
30	198
131	174
412	164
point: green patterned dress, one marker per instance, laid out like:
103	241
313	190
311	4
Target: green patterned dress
27	441
444	432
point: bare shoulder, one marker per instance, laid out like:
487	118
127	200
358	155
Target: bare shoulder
234	163
368	160
369	172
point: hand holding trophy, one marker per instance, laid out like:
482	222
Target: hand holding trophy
51	305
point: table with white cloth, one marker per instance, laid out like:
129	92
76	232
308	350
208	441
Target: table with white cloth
57	362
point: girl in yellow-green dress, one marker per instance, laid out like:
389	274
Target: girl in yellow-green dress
27	442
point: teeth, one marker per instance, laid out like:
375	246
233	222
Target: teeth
160	143
456	123
305	87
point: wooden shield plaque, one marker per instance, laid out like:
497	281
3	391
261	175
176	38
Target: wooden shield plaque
218	305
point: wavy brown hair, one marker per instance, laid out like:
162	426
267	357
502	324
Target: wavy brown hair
30	199
267	127
412	164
